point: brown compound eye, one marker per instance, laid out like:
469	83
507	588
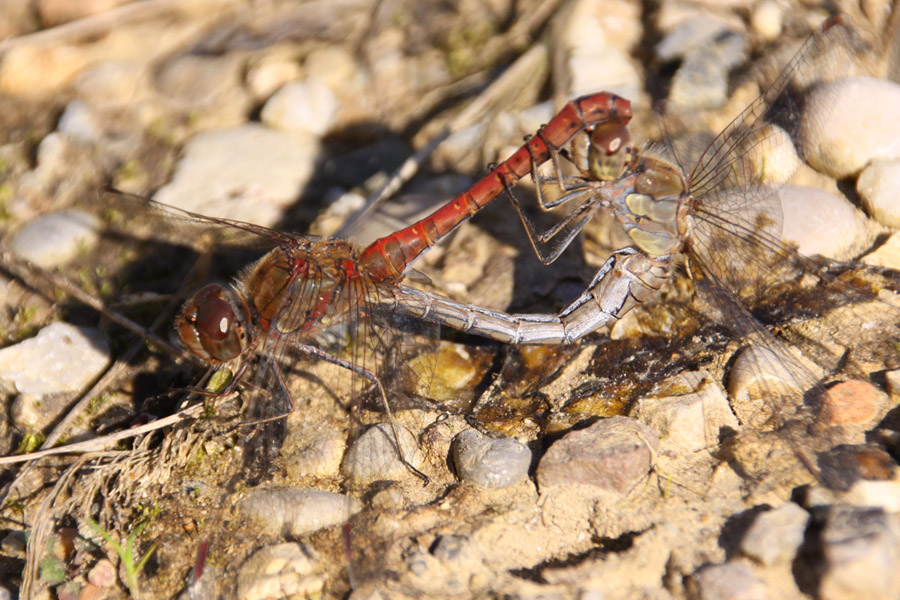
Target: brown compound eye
209	325
609	150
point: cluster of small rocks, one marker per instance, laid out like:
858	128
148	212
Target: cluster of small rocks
236	120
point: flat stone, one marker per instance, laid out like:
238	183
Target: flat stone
250	173
488	462
293	512
776	534
877	187
612	454
54	239
850	122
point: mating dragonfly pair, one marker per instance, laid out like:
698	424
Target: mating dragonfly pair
721	217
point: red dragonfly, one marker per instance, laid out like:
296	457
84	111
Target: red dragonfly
306	288
722	217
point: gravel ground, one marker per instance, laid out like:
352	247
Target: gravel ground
638	463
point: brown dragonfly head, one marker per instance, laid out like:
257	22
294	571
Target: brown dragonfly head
609	150
211	324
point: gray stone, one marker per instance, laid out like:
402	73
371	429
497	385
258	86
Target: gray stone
861	547
612	454
293	512
250	173
488	462
79	123
877	187
702	79
52	240
850	122
373	456
775	535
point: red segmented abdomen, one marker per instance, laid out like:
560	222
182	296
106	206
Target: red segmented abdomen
390	256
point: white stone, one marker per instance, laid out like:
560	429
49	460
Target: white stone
877	187
849	122
821	223
249	172
51	240
489	462
60	358
307	106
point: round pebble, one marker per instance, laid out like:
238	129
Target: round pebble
856	403
250	173
849	122
103	574
767	19
488	462
685	420
307	106
54	239
293	512
281	571
776	535
822	223
612	454
701	82
877	187
373	456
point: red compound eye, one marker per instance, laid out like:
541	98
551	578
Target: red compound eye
209	325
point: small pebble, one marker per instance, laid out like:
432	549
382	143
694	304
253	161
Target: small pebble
690	418
730	581
103	574
861	548
845	125
209	85
776	534
270	72
52	240
293	512
612	454
307	106
857	403
822	223
60	359
373	456
877	188
701	81
280	571
488	462
250	173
